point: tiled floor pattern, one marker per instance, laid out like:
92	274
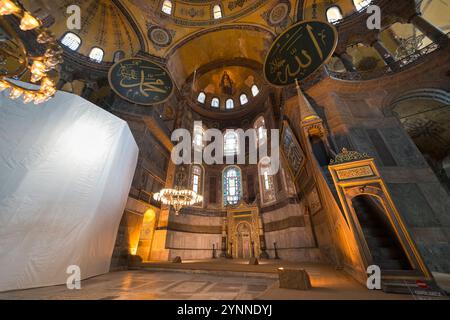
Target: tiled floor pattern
144	285
212	280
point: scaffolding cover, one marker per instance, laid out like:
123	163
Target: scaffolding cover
66	168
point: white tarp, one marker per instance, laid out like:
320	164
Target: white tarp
66	168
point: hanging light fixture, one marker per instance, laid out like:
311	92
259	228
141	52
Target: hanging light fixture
8	7
178	198
39	66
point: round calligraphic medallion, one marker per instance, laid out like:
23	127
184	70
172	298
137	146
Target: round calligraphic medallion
140	81
299	52
159	36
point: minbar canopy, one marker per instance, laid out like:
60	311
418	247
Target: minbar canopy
66	168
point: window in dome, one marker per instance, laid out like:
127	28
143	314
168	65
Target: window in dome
71	41
361	4
255	90
217	10
119	55
167	7
231	144
201	97
96	55
232	186
230	104
243	99
215	103
334	14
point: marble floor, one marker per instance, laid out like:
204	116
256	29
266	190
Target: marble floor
146	285
210	280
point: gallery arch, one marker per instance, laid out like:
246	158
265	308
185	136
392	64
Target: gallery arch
424	114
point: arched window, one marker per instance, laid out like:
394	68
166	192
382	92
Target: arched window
96	55
260	127
198	136
334	14
266	181
201	97
217	11
215	103
231	143
229	104
361	4
71	41
232	190
243	98
167	7
119	55
197	179
255	90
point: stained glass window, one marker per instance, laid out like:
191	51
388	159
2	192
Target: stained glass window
232	186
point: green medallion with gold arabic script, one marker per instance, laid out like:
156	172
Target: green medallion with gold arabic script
140	81
300	51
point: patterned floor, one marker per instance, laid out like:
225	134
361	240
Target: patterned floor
144	285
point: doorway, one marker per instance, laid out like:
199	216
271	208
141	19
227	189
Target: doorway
244	242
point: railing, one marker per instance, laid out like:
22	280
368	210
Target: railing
392	68
84	61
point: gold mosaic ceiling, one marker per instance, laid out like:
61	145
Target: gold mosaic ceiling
133	25
189	38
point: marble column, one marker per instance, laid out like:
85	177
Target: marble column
384	53
64	78
88	90
428	29
347	61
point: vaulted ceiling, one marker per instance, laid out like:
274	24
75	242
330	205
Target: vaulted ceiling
189	39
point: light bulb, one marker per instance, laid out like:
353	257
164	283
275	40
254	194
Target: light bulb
28	97
39	98
8	7
4	85
29	22
38	67
15	93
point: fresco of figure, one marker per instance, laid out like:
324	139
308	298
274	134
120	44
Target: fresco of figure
226	84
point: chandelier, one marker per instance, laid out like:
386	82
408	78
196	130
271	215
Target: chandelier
13	53
178	197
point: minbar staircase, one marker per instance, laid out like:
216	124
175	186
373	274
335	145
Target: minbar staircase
386	251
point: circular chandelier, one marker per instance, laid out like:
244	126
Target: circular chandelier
13	53
178	197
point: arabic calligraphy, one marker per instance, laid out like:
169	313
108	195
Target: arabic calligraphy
292	150
140	81
299	52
